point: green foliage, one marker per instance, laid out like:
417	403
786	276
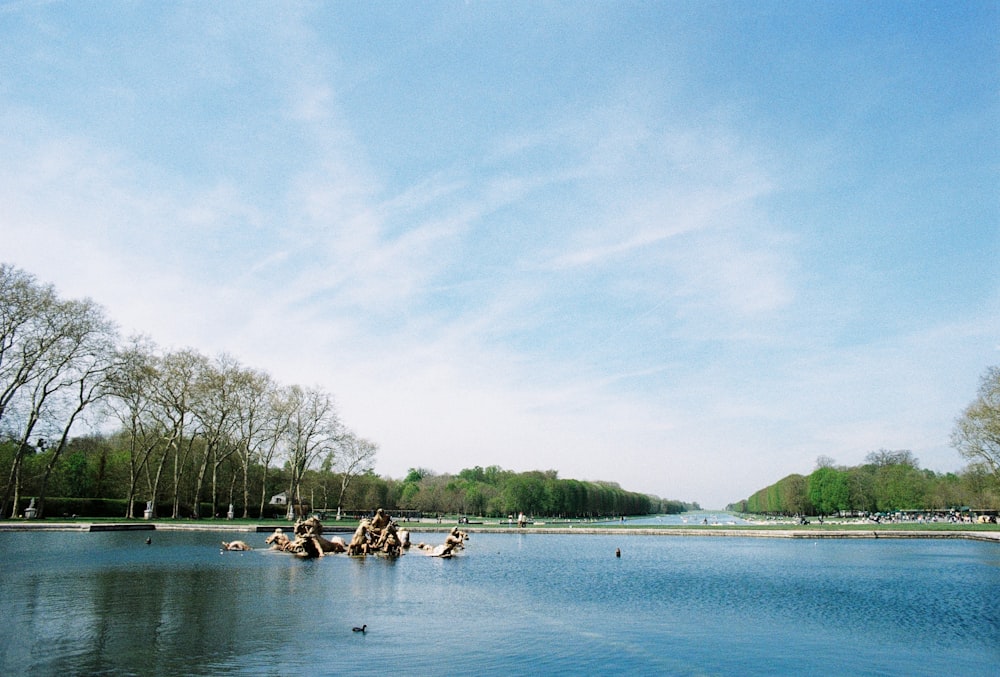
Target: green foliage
829	490
788	496
899	487
889	481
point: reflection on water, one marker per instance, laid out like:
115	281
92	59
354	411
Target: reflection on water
106	603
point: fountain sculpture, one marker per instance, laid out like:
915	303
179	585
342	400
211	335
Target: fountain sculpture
377	536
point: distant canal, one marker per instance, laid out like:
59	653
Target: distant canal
108	604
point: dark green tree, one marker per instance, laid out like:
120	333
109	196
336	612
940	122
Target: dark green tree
829	490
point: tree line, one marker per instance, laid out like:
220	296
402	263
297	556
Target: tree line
887	482
494	492
893	480
181	418
95	470
189	434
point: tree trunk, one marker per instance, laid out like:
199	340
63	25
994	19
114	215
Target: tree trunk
154	487
232	488
345	479
14	480
14	485
200	483
263	492
246	488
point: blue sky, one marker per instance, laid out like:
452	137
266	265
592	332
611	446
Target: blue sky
684	246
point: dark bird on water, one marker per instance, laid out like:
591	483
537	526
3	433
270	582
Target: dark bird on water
148	541
361	629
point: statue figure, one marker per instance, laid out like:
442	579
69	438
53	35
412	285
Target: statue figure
454	541
360	541
278	541
300	547
235	545
380	521
389	542
387	539
307	527
312	529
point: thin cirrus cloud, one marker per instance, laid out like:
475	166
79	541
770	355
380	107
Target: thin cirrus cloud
634	245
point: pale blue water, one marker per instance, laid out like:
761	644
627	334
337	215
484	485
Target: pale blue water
106	603
711	518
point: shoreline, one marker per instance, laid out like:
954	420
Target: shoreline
744	532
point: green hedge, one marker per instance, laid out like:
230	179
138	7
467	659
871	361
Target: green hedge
79	507
57	507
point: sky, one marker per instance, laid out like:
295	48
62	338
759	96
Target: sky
688	247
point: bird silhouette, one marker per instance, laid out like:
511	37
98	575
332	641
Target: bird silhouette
361	629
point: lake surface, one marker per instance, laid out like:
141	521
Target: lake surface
108	604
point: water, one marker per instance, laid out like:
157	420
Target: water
107	604
711	518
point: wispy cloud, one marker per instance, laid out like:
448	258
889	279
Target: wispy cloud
646	277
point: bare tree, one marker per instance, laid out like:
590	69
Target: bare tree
62	346
24	346
175	392
356	456
885	457
278	414
254	391
86	381
312	431
24	343
215	407
976	435
824	462
132	385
